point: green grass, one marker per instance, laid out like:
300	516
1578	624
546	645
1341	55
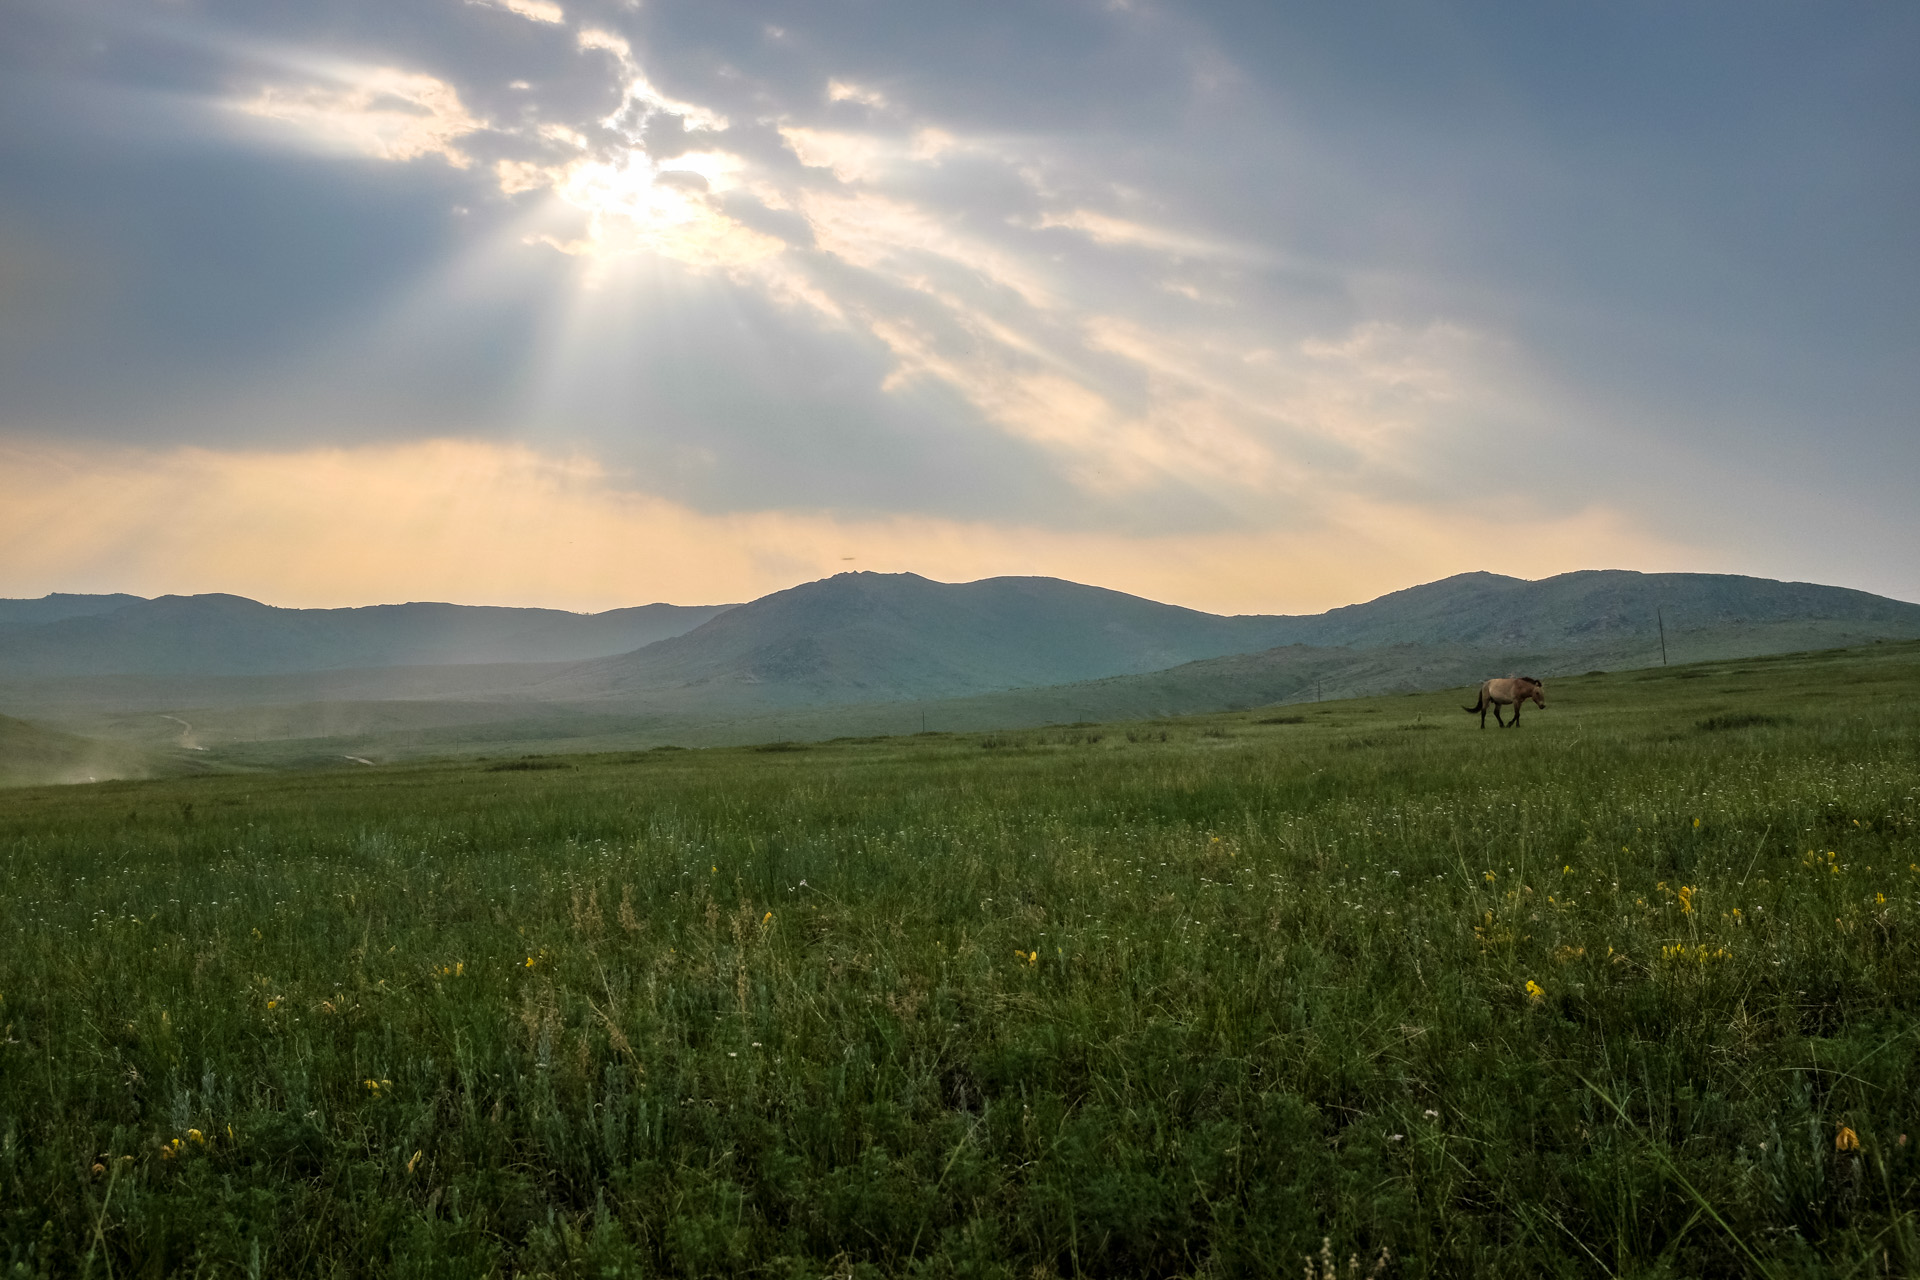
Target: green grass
1178	997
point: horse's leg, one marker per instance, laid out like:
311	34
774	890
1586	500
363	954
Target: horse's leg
1484	704
1518	703
1496	716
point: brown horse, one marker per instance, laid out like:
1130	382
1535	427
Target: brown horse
1510	692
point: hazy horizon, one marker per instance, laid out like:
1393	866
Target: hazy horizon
728	604
578	303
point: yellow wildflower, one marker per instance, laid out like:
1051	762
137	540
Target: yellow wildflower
198	1137
767	918
1535	992
411	1163
1686	899
1846	1140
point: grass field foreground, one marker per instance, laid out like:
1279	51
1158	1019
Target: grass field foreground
1630	991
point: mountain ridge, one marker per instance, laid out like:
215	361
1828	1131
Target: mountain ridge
860	637
857	648
220	633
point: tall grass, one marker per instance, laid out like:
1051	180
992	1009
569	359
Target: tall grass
1618	993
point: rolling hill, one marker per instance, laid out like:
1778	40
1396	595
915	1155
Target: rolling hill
864	653
867	637
232	635
32	755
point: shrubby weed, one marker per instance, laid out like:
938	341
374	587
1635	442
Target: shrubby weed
1621	993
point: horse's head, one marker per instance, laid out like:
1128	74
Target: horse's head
1531	688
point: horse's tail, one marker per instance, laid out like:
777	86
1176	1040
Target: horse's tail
1474	709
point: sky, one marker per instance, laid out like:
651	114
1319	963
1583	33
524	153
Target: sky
1246	307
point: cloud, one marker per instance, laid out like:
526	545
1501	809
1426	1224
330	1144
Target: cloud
1106	229
1074	267
485	523
640	100
382	112
634	206
846	91
536	10
850	157
972	294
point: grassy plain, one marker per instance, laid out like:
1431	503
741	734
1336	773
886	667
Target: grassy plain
1630	991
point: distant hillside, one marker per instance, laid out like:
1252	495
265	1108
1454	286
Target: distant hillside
1592	607
868	637
31	755
864	637
867	652
16	615
231	635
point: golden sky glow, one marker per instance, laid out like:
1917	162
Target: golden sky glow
485	524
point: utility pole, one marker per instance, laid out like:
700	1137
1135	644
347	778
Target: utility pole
1663	635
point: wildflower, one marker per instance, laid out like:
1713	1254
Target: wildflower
1535	992
1033	957
1430	1114
273	1004
98	1168
1880	899
529	962
411	1163
199	1138
767	918
1686	899
1846	1140
1489	877
1696	824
